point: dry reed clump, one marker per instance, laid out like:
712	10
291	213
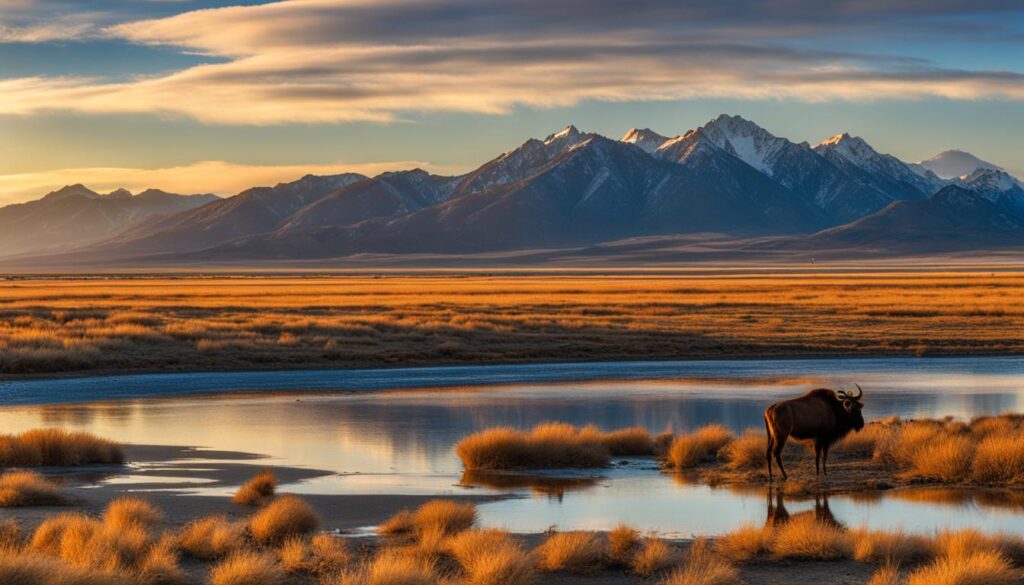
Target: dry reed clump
623	541
57	448
10	536
27	488
698	447
953	543
444	516
889	547
655	556
388	567
886	575
975	568
573	552
865	442
948	458
806	538
744	544
36	569
632	442
287	516
248	568
999	459
320	555
746	451
549	445
258	490
702	567
211	538
491	557
124	513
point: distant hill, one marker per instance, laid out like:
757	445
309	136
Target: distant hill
74	216
728	181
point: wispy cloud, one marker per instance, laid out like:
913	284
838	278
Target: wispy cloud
343	60
219	177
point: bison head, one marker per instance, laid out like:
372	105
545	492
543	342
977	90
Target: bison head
853	405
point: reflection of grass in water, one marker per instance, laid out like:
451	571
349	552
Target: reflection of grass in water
239	323
539	484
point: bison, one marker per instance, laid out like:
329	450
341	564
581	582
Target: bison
823	416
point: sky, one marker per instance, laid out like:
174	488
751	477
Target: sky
219	95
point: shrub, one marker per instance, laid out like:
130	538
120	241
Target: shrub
889	548
248	568
744	544
210	538
623	541
804	537
282	518
698	447
57	448
976	568
655	556
549	445
574	552
701	567
257	490
28	488
124	513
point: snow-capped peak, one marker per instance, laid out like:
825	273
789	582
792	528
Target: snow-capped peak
569	131
852	148
745	140
989	180
645	138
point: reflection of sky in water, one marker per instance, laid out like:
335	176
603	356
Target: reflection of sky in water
402	442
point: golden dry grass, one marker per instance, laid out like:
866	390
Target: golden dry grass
125	513
889	547
549	445
444	517
655	556
976	568
210	538
284	517
11	539
57	448
703	567
389	567
27	488
360	321
623	541
258	490
248	568
636	441
747	451
886	575
700	446
803	537
491	557
573	552
35	569
744	544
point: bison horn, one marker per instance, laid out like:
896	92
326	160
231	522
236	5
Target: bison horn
860	392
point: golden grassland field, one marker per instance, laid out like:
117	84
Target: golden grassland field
221	323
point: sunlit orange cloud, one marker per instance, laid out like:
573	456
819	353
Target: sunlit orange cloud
219	177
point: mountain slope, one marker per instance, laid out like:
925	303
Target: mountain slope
883	172
595	191
953	219
75	216
253	211
996	186
841	195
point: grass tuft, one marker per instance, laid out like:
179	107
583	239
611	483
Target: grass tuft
975	568
211	538
549	445
285	517
572	552
744	544
623	541
492	557
248	568
702	567
655	556
124	513
257	490
57	448
692	449
28	488
808	539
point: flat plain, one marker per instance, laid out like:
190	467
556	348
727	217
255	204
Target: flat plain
166	323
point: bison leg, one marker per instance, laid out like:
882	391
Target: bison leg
817	459
824	460
780	443
768	451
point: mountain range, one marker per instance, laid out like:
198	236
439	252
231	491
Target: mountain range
570	191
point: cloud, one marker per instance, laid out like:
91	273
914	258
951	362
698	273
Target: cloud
219	177
314	61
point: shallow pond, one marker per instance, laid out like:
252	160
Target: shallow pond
401	442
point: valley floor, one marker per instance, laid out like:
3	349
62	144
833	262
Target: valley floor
145	324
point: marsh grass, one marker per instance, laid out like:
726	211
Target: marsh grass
283	518
258	490
549	445
445	517
623	541
700	446
889	548
806	538
248	568
744	544
491	557
654	556
211	538
975	568
572	552
57	448
703	567
27	488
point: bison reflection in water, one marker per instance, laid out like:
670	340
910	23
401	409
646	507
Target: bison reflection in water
821	416
778	515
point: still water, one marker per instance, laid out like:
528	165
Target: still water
401	442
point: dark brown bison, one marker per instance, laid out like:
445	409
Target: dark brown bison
823	416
